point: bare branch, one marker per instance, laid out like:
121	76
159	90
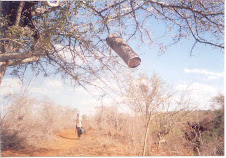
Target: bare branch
19	10
3	66
187	8
12	56
27	60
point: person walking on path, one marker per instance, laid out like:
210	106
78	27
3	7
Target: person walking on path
79	125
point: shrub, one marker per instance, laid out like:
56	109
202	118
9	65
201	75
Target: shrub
27	122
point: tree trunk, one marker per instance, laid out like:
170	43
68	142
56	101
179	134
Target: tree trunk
3	66
146	135
147	113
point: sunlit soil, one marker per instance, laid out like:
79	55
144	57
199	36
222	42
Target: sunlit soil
92	143
65	139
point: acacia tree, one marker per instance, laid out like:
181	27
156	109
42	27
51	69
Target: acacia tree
158	103
70	38
143	92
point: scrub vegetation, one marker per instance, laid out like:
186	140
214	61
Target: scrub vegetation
30	126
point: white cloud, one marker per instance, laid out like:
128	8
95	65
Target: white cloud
53	89
200	93
10	86
53	83
212	77
69	55
39	90
47	87
64	95
209	74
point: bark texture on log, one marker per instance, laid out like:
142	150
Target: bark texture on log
123	50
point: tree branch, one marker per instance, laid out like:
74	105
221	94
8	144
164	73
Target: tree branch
3	66
18	15
42	10
14	56
23	61
187	8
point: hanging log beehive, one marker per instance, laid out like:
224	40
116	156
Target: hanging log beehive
123	50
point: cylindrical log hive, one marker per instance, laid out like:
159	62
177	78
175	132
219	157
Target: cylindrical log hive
123	50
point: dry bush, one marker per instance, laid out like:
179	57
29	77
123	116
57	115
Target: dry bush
206	133
108	118
123	128
130	129
27	122
166	135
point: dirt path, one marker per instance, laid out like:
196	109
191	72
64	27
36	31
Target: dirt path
92	143
65	140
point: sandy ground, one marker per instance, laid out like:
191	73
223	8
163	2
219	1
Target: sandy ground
92	143
66	139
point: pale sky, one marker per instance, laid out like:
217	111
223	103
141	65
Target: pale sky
202	72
